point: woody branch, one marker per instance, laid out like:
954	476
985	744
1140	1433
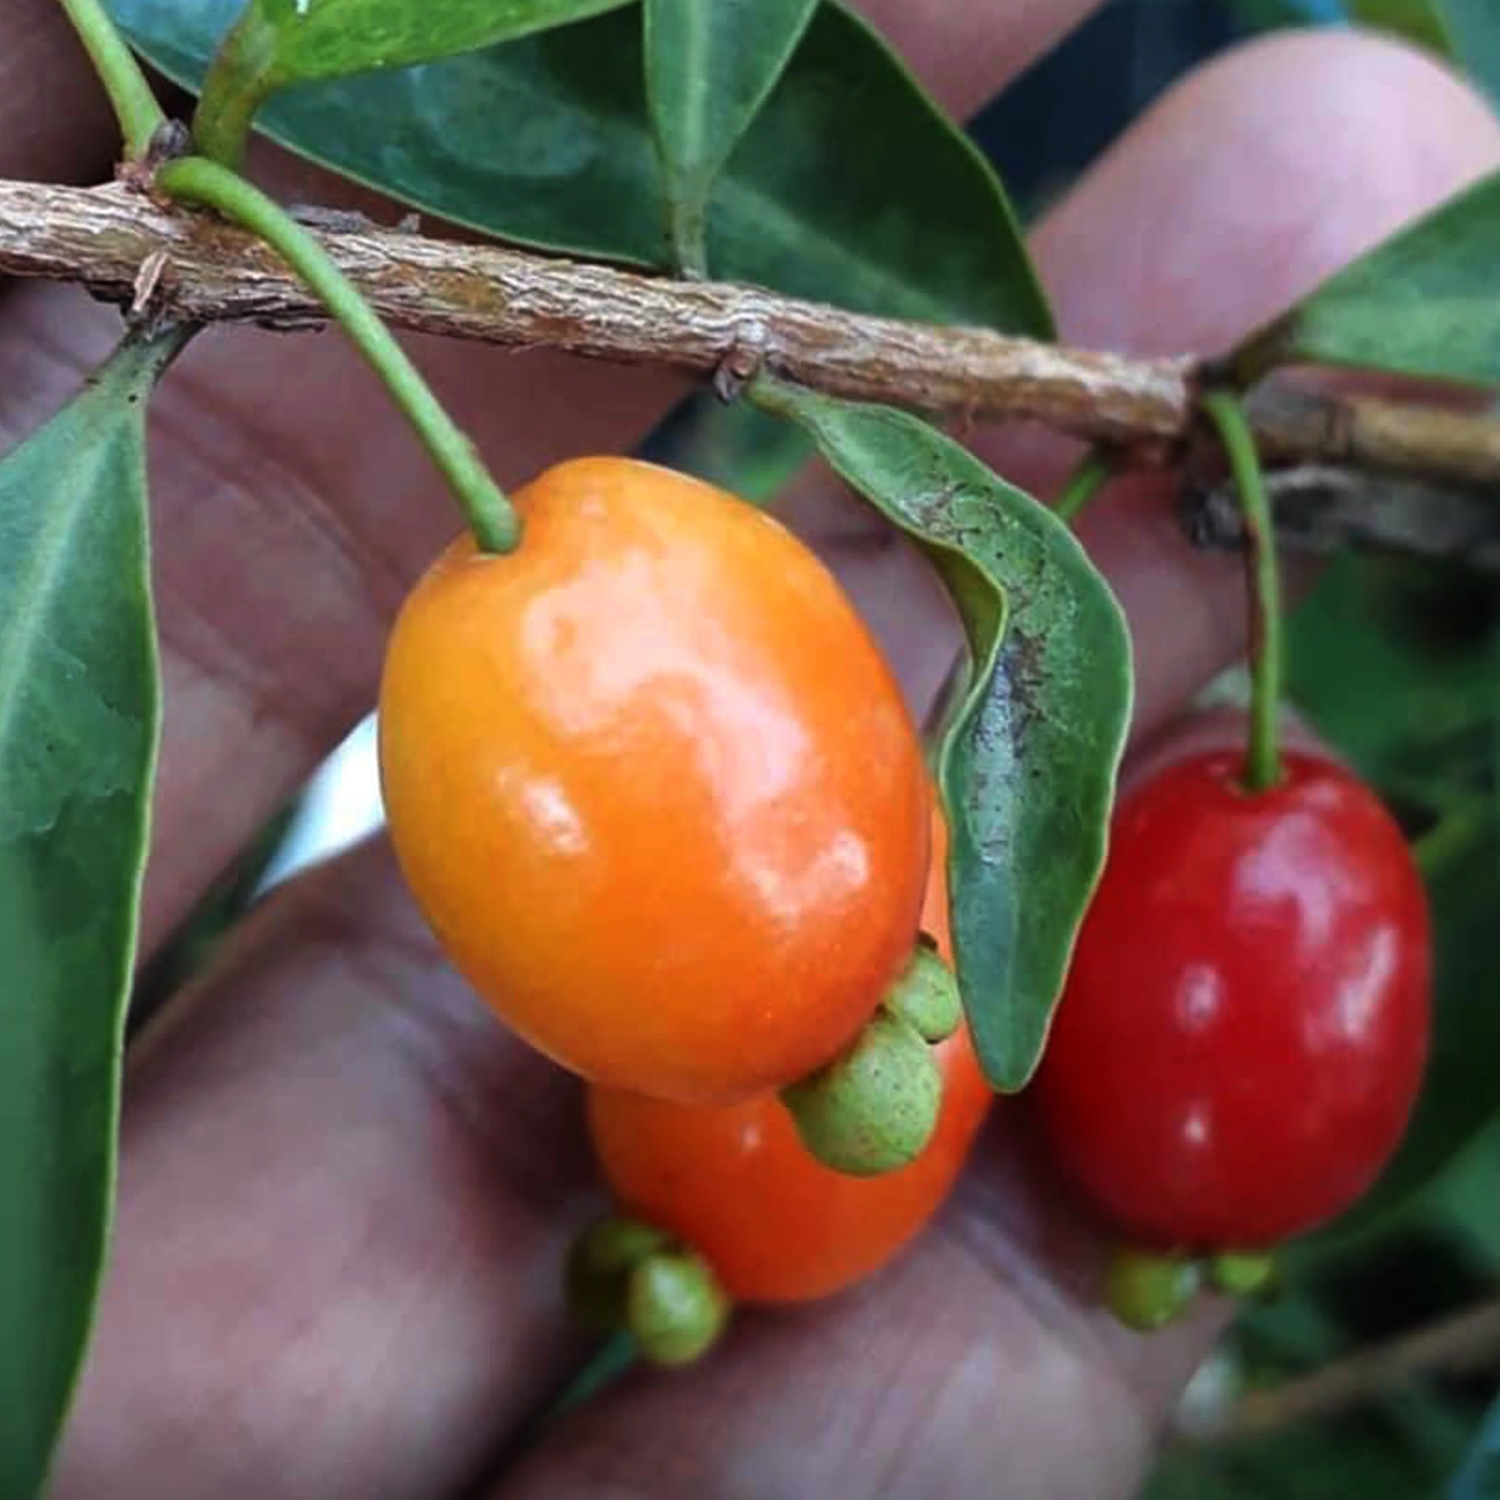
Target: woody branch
126	248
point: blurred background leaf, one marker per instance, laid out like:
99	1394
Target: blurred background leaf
1396	663
1473	32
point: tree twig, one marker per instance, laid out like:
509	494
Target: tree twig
206	271
1466	1341
1323	509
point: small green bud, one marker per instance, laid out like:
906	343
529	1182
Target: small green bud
925	993
675	1308
598	1268
1242	1273
873	1109
1146	1291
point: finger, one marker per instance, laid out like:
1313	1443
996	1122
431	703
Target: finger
220	1168
55	124
981	1363
965	53
291	509
990	1326
339	1225
985	1354
1217	234
340	1215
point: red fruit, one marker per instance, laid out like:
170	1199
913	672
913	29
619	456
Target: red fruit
1245	1022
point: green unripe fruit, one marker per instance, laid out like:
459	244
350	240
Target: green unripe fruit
1146	1292
675	1308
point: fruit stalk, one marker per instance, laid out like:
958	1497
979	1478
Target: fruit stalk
130	95
199	181
1263	760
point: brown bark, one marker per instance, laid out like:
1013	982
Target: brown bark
128	249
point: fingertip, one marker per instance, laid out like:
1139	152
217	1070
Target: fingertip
1246	185
966	53
1253	179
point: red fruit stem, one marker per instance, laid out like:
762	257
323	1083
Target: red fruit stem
1263	580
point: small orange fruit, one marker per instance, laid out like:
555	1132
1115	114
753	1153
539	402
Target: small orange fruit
654	785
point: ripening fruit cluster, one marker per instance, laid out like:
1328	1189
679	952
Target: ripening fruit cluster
657	792
659	795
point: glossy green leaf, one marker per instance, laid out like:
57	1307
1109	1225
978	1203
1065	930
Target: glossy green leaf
78	724
1426	302
1394	662
306	39
709	68
1031	747
850	186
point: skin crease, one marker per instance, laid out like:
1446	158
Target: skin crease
1245	1024
344	1190
634	805
737	1185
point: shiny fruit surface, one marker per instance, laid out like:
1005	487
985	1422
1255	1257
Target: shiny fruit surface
1243	1032
654	786
736	1184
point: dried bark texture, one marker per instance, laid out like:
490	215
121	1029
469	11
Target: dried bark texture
173	264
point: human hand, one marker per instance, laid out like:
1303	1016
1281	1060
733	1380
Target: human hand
345	1190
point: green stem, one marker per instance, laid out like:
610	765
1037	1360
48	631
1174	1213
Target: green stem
194	180
134	104
1266	348
238	82
1087	479
689	229
139	351
616	1357
1263	760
